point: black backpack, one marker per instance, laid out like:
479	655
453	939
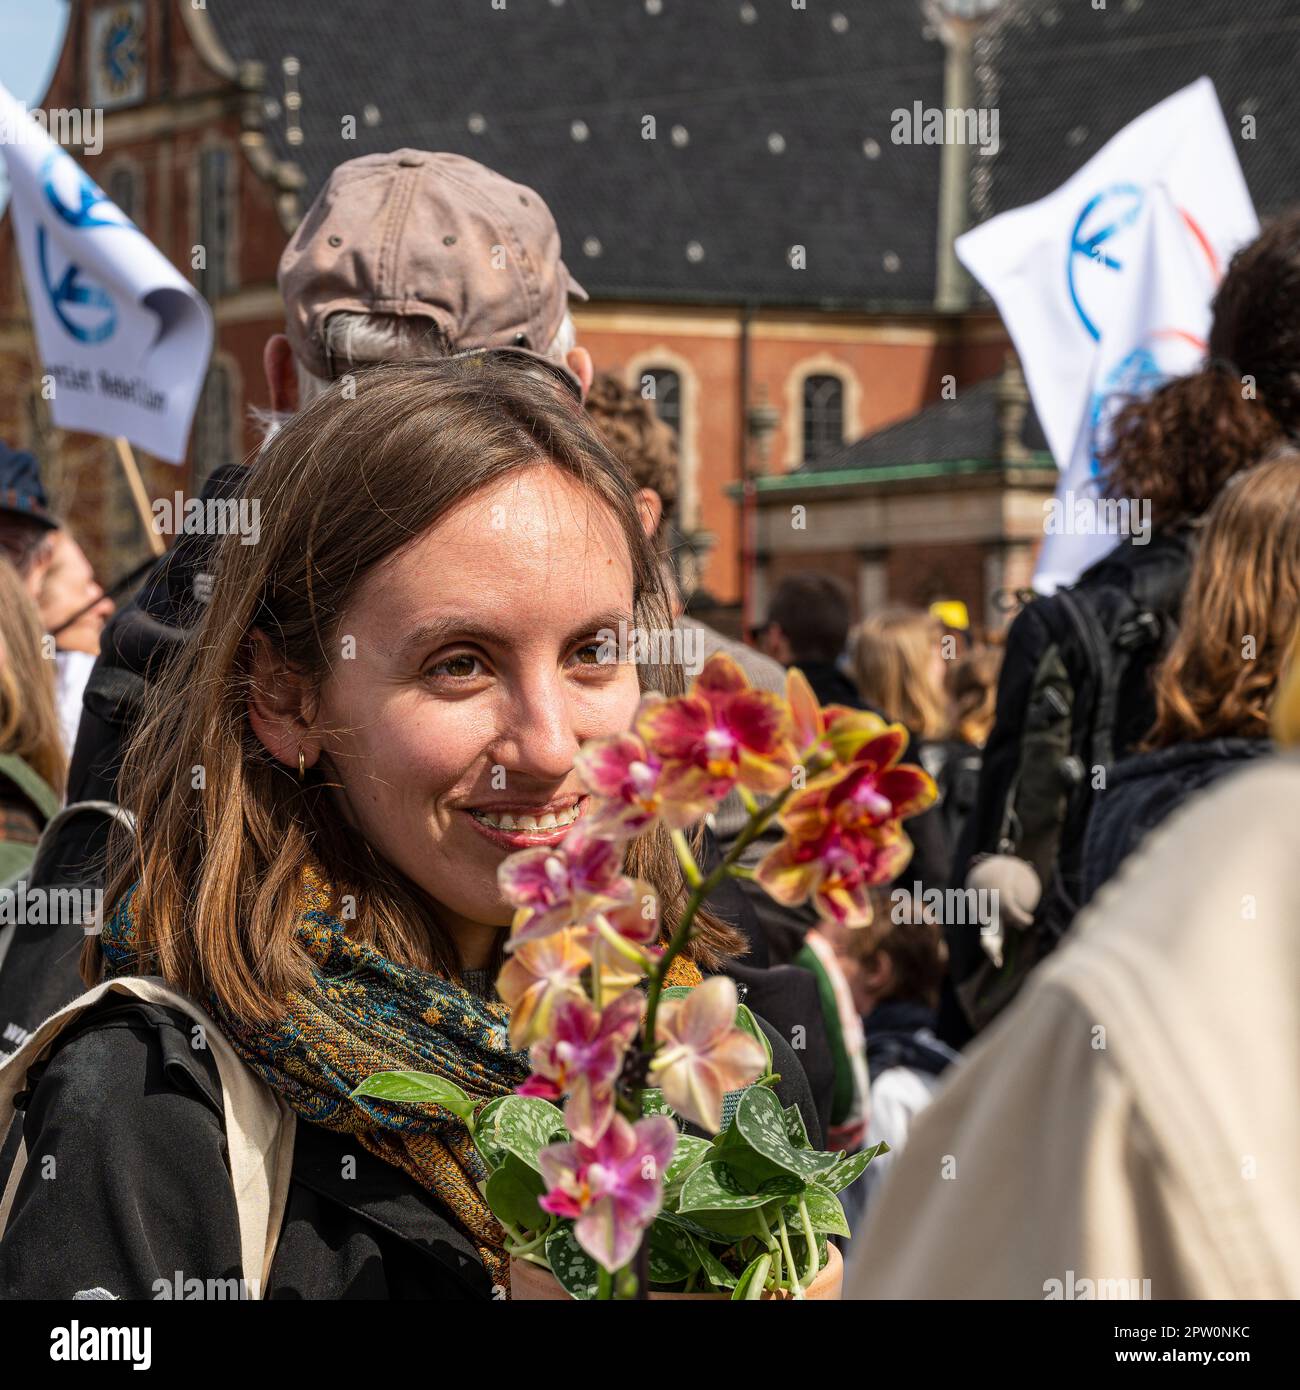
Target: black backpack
1087	663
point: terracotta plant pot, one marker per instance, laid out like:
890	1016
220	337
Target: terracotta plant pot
529	1283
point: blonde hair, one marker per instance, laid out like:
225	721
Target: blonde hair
29	720
1244	584
892	654
220	863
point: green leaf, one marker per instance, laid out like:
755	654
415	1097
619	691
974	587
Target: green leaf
850	1169
713	1187
484	1131
417	1088
762	1123
718	1274
688	1154
572	1266
512	1193
746	1021
522	1125
653	1103
694	1228
672	1254
795	1131
750	1284
824	1211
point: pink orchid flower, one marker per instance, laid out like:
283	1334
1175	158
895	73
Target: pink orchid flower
611	1190
869	791
623	772
721	734
836	869
556	887
621	940
704	1055
540	976
581	1057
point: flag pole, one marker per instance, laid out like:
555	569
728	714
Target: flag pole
138	495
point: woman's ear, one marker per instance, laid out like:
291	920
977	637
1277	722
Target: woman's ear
280	703
652	510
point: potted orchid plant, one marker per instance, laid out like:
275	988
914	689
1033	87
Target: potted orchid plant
600	1190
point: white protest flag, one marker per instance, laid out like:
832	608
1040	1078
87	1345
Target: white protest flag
1105	287
124	337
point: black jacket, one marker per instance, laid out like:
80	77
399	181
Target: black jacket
1146	789
130	1116
40	974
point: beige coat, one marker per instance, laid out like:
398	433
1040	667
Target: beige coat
1135	1115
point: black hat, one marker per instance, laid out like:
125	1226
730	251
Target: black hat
21	493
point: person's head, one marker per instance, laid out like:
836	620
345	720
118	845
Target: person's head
29	722
1239	613
641	442
411	256
72	605
900	954
898	665
25	520
807	620
1180	445
418	632
971	682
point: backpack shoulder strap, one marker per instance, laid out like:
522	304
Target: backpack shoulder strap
259	1125
32	785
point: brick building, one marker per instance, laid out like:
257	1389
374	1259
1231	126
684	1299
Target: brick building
759	251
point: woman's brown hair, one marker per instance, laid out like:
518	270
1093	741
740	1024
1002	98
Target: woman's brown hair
29	719
972	686
1179	446
1240	612
223	830
893	664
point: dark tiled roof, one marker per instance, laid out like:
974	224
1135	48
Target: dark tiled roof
967	428
823	85
1065	77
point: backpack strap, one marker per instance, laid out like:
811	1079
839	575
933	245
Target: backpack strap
259	1125
31	784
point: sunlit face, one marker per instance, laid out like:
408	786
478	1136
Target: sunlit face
67	589
474	681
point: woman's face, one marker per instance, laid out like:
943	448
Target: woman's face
472	681
68	588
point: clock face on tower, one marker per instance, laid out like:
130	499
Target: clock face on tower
117	53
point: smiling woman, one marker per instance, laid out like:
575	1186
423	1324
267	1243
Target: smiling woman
385	699
406	661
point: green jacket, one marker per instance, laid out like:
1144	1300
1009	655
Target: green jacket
21	787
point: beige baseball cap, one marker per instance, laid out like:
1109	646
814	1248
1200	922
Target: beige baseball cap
432	235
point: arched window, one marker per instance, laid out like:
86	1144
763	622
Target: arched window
216	221
214	432
668	395
123	190
823	416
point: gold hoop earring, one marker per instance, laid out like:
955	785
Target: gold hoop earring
302	766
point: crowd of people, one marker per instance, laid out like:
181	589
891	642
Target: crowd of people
271	732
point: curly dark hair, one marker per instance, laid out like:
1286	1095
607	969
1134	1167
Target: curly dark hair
636	436
1180	445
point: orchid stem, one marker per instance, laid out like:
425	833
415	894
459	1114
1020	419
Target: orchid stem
701	887
685	858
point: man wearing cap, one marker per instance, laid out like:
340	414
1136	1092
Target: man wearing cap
401	257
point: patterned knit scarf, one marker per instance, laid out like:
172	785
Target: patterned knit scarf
364	1014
